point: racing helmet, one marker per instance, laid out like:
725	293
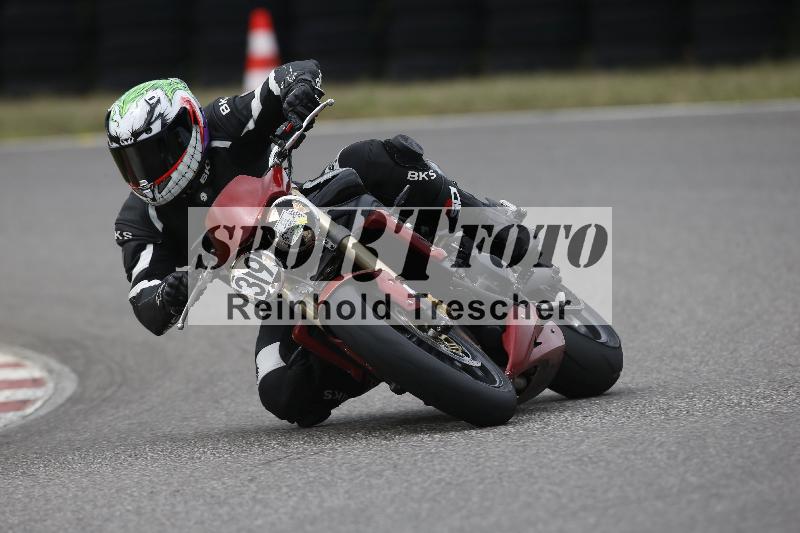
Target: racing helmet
157	136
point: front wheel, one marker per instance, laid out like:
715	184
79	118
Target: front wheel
592	360
449	372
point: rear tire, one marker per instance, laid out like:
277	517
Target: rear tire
592	358
486	400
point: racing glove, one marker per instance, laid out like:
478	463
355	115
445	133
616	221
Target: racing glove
298	104
173	292
300	101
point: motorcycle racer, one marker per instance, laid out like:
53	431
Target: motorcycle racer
175	154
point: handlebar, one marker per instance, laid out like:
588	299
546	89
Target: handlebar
280	153
309	119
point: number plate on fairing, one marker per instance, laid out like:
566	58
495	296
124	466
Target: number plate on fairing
257	275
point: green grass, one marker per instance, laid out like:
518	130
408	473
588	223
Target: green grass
55	115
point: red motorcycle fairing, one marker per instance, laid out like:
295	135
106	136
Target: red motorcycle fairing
535	351
329	349
241	203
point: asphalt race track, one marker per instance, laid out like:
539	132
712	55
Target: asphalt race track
700	434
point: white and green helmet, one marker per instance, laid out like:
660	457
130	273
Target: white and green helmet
157	136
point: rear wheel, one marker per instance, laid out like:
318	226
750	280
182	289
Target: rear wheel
592	359
448	371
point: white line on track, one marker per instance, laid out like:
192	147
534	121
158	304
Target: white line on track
472	120
6	358
27	372
561	116
15	395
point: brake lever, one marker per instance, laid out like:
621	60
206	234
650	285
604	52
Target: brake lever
280	153
199	287
307	122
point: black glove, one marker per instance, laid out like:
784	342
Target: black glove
173	292
300	102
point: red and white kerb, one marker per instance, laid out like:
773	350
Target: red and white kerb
23	388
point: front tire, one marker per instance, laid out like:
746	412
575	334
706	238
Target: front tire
479	395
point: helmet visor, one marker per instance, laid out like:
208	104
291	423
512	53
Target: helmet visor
149	161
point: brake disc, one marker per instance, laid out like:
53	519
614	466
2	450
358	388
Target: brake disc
450	347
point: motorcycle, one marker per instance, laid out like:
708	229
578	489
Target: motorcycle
441	362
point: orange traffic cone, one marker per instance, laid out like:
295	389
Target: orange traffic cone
262	49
